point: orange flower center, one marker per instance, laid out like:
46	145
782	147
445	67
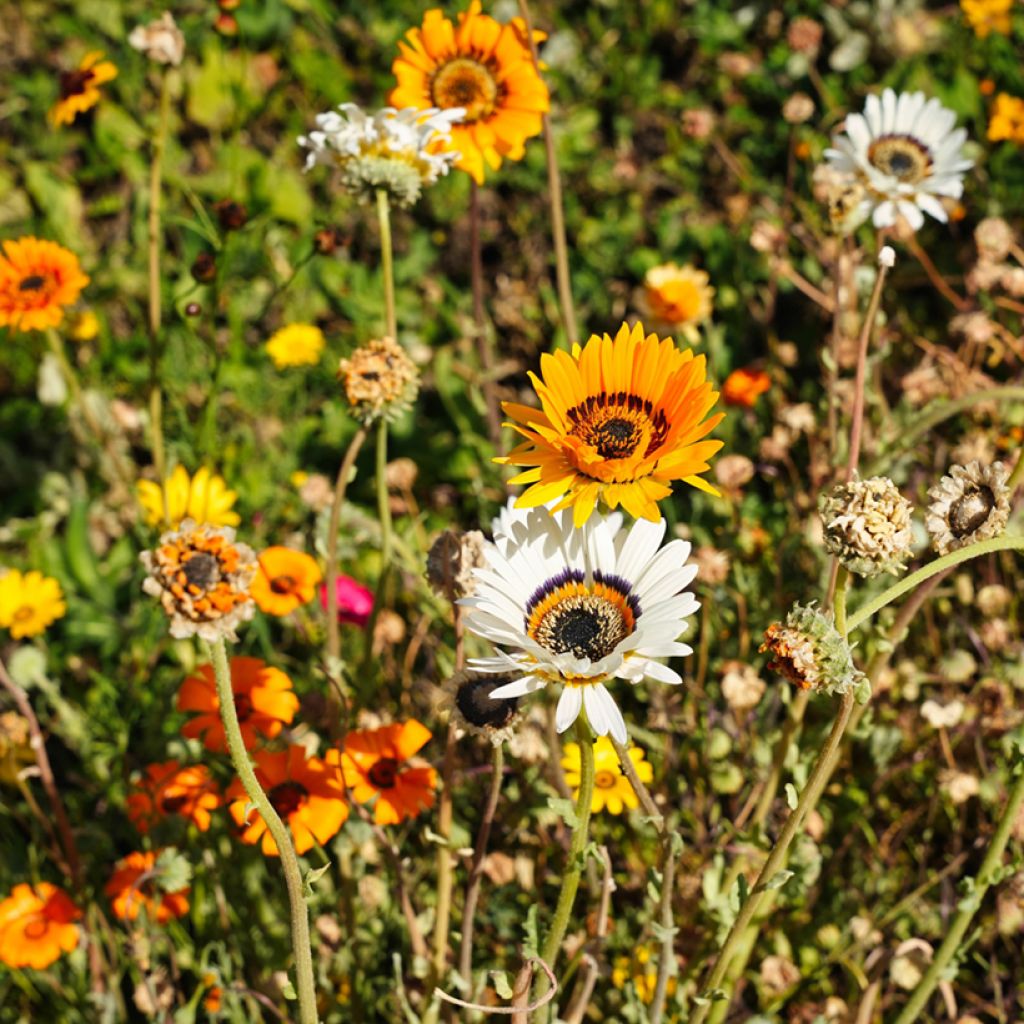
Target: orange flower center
24	613
74	83
37	927
283	585
288	797
605	780
384	773
464	82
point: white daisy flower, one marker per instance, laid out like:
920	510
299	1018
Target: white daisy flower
579	607
398	150
906	152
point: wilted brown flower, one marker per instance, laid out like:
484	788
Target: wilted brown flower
204	268
733	471
804	36
810	652
742	687
971	504
477	711
451	561
316	491
161	40
868	526
798	108
231	215
994	239
380	380
698	123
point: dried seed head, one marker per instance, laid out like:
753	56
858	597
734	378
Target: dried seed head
811	653
971	504
380	380
868	526
994	239
477	711
451	561
202	578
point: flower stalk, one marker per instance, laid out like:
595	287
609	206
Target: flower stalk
387	263
306	988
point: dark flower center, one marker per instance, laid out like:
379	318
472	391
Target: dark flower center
969	512
584	626
901	156
74	83
473	699
384	774
32	284
467	83
283	584
616	438
288	797
174	804
243	706
615	425
201	570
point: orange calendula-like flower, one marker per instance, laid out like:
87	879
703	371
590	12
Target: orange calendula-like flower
486	69
38	279
132	888
264	701
305	791
37	925
678	297
986	16
619	421
744	386
374	765
284	580
1006	122
202	577
79	89
167	788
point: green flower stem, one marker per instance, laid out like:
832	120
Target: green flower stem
958	929
383	501
574	869
1017	476
155	393
387	262
289	861
915	579
776	861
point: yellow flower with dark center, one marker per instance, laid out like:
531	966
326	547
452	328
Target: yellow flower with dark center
29	603
679	297
1006	122
79	89
612	790
296	345
38	279
486	69
985	16
619	421
204	498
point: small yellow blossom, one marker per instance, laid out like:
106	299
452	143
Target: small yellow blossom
612	790
986	16
84	326
641	969
1006	121
29	602
296	345
204	498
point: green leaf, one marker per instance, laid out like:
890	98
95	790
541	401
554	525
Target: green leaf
173	871
778	880
313	875
501	985
565	809
791	796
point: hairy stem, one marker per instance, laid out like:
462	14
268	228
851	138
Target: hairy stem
387	263
289	861
483	337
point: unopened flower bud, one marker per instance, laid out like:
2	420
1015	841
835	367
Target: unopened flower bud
204	269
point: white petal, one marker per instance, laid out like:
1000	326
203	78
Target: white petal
609	714
914	217
520	688
662	673
568	710
639	548
884	215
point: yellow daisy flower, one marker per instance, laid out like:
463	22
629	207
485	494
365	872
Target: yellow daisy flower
678	297
619	421
204	498
612	790
985	16
296	345
79	90
641	969
29	602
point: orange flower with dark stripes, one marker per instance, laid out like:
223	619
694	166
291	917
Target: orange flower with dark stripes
305	791
284	579
38	279
37	925
79	89
168	789
482	66
374	763
619	421
743	387
264	702
134	887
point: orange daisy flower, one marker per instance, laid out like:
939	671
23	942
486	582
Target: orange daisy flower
166	789
264	701
285	579
131	888
38	279
373	762
619	421
744	386
305	791
485	68
79	90
37	924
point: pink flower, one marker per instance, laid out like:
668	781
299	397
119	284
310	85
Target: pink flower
355	602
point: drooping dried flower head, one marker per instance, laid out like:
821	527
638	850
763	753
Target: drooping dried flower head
868	526
811	653
397	151
971	504
451	561
380	380
161	40
477	711
202	578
